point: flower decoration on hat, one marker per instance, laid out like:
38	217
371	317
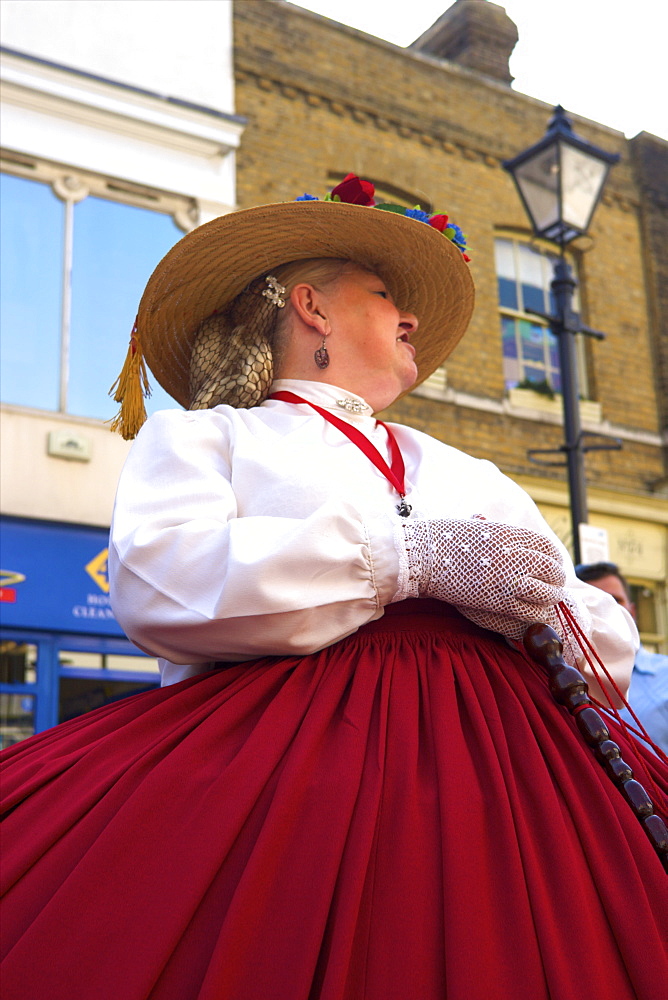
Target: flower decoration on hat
352	190
417	213
228	249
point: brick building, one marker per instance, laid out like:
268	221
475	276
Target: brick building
431	124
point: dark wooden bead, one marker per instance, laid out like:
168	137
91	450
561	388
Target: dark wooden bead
543	645
619	769
608	750
567	682
591	725
658	832
638	797
576	698
569	688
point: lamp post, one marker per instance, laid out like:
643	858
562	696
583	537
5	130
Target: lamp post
560	181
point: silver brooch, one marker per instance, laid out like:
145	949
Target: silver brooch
275	292
353	405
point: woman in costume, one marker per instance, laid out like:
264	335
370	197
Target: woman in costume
354	784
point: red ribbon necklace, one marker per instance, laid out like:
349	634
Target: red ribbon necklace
395	474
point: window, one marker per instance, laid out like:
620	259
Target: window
48	677
651	614
89	680
76	253
18	676
530	351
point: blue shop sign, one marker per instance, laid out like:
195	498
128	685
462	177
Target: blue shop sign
54	577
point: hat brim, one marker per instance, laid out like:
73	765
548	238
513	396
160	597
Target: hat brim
203	272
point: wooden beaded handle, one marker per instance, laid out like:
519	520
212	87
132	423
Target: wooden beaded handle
570	689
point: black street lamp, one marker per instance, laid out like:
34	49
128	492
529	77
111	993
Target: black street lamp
560	181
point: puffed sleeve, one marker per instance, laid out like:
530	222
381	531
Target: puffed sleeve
193	582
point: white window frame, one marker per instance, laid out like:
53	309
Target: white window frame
71	186
546	252
55	113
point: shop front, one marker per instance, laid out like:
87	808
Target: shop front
62	652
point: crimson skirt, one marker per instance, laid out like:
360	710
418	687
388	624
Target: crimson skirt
406	814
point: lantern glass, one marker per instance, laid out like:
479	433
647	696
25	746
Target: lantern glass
582	179
538	181
560	180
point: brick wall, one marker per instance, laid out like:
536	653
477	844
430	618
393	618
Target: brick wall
650	160
322	99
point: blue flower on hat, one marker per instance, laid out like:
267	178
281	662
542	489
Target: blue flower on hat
417	213
457	236
307	197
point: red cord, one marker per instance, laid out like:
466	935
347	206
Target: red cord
571	629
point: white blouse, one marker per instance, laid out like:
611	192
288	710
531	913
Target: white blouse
246	533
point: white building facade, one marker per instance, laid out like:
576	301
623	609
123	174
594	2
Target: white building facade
118	136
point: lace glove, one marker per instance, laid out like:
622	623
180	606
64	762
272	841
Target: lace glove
500	576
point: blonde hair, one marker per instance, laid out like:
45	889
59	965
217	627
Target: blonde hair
234	353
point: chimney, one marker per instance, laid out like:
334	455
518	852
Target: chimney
473	33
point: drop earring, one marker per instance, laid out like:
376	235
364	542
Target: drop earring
321	356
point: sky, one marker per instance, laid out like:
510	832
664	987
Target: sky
601	59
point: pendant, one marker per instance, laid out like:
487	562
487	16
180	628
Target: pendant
321	358
404	508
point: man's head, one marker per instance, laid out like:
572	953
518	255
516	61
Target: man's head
606	576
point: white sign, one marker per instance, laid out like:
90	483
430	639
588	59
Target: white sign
594	546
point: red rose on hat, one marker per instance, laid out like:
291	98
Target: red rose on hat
438	222
353	191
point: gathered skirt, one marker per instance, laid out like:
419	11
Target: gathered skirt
405	815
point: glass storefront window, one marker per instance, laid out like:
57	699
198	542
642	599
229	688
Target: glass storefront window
17	718
77	660
48	678
99	683
18	662
145	663
18	666
79	695
82	661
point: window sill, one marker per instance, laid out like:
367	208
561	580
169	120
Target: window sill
526	399
55	415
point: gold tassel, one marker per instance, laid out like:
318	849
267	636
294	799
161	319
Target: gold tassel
130	389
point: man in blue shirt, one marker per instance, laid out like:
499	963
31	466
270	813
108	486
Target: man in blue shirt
648	693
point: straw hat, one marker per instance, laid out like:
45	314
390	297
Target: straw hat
425	271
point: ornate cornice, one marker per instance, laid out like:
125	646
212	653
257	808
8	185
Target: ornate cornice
449	138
